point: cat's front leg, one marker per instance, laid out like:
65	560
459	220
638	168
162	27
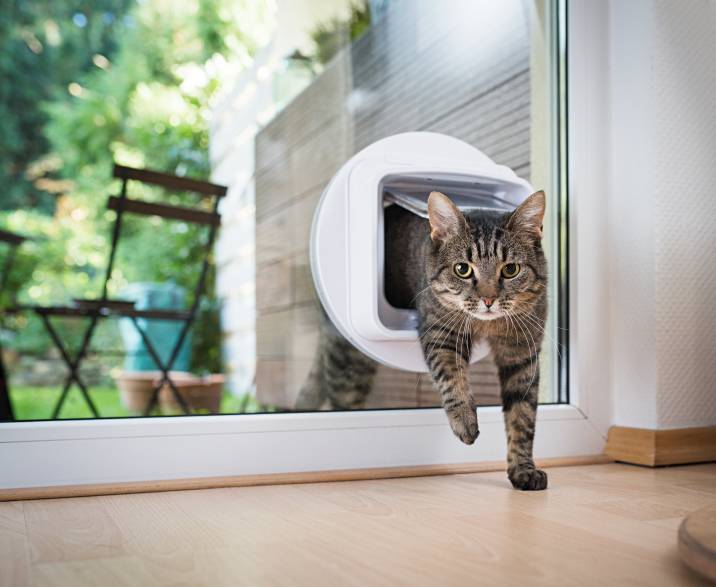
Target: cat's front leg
518	369
447	354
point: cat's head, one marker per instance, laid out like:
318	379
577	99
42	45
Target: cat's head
487	265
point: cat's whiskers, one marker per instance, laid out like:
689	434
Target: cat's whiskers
538	323
462	338
457	344
531	319
442	323
515	325
421	292
550	297
507	324
453	327
513	328
445	329
448	330
541	321
506	316
437	320
525	330
510	324
533	352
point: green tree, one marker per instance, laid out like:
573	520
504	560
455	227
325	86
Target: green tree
146	103
44	45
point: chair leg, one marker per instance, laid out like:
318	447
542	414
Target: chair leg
6	412
85	392
164	369
74	377
62	398
175	392
73	365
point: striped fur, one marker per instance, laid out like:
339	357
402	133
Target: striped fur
340	376
453	314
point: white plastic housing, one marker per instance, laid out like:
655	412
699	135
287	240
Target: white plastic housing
347	255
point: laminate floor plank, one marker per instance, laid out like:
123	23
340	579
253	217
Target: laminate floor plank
14	546
71	530
607	524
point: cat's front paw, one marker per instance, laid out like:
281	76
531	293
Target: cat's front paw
528	479
464	424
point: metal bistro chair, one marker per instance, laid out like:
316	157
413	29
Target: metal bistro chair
12	242
94	310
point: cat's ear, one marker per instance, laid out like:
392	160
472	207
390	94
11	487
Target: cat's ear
445	217
529	215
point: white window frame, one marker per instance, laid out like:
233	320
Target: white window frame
37	454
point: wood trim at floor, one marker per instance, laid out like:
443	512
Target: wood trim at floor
280	479
655	448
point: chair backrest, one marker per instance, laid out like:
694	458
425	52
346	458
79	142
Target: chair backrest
124	204
172	182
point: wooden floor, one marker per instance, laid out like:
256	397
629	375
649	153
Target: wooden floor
596	525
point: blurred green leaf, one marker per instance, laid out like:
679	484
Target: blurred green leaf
144	103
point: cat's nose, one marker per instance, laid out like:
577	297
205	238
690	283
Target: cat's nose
488	301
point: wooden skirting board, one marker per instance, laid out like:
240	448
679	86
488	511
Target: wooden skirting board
654	448
280	479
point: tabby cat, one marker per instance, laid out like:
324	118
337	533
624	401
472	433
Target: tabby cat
475	276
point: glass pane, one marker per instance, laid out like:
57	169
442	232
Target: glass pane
418	66
269	100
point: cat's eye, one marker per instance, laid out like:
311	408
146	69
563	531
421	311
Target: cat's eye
510	270
462	270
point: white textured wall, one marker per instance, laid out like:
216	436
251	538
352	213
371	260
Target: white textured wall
662	209
631	225
684	86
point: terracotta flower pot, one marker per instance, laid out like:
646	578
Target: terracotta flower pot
135	387
200	394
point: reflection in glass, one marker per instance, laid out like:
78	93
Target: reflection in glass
272	113
420	66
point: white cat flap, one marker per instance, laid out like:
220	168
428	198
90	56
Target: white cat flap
347	252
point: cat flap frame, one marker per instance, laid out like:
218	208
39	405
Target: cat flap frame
347	249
